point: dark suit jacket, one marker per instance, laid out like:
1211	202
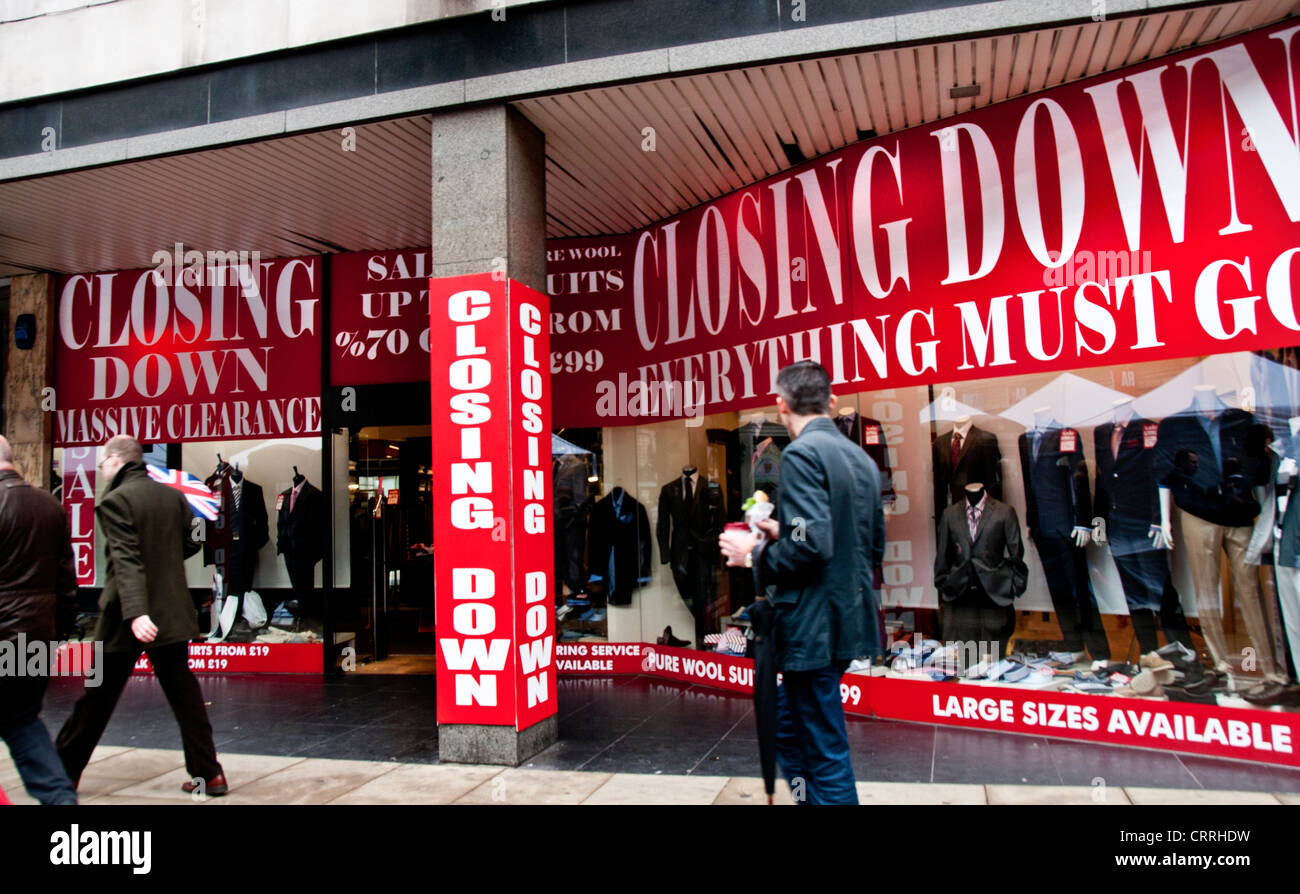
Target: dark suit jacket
38	578
1056	483
869	434
996	557
1126	485
1220	493
832	540
620	546
301	533
148	532
979	461
254	531
681	530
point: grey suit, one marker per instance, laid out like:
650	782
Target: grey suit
979	580
995	558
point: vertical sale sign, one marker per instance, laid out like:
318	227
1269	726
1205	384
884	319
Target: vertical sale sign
489	389
78	473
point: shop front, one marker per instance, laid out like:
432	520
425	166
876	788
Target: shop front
1064	323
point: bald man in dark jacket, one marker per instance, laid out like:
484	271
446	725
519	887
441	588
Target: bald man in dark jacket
38	601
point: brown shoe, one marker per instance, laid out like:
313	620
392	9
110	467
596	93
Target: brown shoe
216	786
1272	693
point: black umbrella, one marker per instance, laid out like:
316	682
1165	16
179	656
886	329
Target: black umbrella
762	618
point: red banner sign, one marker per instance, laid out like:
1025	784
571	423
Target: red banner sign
1145	213
249	658
199	353
491	473
1242	733
599	658
379	317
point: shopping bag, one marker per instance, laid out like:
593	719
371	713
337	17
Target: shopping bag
254	610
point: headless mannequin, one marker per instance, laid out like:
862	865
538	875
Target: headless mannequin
1042	417
982	622
1205	400
1147	621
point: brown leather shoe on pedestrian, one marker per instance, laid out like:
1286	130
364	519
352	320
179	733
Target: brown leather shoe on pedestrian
216	786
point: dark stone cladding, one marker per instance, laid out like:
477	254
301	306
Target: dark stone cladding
418	55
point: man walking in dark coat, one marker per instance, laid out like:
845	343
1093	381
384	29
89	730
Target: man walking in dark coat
821	554
148	532
38	600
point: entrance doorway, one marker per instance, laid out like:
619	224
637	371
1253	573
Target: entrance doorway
391	533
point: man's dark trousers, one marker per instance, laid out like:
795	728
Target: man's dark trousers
809	709
81	731
1066	570
29	742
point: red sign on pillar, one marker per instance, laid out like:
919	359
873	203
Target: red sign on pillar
489	386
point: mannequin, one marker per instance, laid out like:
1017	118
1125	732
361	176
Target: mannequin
869	434
976	457
979	575
1128	500
620	544
1210	468
1058	517
300	538
690	518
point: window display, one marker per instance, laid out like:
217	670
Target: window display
252	593
1107	531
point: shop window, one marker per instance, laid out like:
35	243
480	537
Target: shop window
1138	505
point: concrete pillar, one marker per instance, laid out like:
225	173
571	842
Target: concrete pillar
489	195
489	217
27	374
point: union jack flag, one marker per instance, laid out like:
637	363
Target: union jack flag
203	501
